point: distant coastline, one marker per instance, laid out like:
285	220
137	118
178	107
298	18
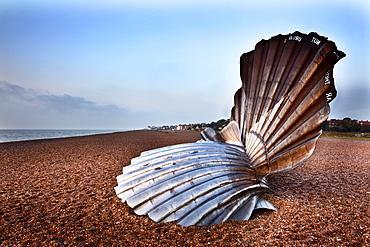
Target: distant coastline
13	135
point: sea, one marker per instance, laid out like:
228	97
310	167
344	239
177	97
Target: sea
11	135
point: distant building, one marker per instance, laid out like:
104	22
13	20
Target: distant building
346	125
332	123
181	127
196	126
163	127
363	122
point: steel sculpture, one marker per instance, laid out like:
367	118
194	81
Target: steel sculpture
287	83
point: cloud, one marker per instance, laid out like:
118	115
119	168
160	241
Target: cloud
26	108
353	102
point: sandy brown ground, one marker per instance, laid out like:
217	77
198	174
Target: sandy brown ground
61	193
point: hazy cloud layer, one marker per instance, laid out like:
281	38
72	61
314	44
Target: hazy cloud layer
353	102
26	108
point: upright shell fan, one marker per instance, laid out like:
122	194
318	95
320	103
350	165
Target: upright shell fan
287	83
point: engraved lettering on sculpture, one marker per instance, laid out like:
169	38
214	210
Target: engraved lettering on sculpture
315	40
337	55
296	38
327	78
328	96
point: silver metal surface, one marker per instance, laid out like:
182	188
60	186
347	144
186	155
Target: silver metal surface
287	83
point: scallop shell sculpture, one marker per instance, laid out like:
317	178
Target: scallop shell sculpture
287	83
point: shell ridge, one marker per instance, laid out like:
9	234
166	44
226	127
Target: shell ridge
161	193
180	162
224	200
282	121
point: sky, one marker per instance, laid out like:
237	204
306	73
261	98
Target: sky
97	64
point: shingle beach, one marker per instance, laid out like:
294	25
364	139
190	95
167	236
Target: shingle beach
60	192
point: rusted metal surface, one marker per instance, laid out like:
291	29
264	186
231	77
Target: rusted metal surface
287	84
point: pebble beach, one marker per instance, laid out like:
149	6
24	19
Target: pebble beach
60	192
